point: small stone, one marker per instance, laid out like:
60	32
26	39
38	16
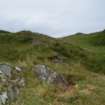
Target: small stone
18	69
21	82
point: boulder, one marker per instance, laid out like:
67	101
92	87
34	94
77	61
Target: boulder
3	98
44	73
5	70
2	77
12	92
12	80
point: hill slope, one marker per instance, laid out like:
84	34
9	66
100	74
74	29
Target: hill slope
78	56
94	43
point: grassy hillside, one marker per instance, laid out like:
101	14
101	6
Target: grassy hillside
24	46
94	43
79	56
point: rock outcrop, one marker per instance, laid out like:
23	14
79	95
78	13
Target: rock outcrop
10	78
5	70
3	98
44	73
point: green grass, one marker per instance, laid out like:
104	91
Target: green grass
83	62
93	43
89	89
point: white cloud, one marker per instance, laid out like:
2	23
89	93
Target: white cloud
53	17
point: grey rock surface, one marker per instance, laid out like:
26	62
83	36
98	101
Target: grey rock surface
5	69
12	93
46	74
3	98
11	78
21	82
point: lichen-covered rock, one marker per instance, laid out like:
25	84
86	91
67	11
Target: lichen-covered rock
12	92
2	77
12	81
5	70
3	98
44	73
21	82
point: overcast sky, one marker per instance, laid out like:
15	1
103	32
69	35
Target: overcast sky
53	17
